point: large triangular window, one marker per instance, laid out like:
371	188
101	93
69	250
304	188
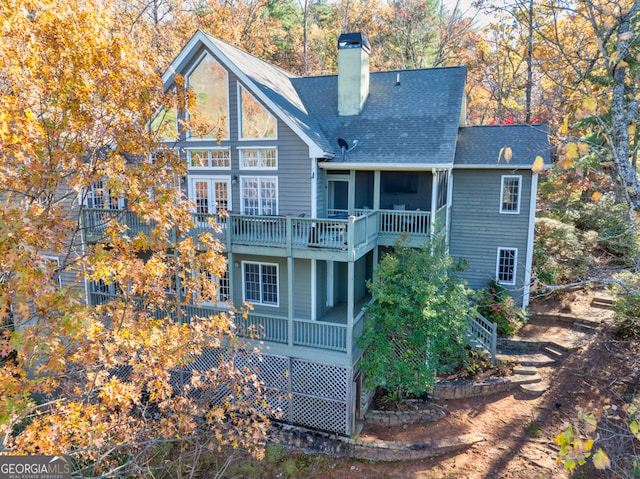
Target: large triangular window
255	121
210	83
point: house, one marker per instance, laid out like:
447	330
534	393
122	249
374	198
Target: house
319	176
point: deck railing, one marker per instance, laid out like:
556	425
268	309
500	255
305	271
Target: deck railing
414	223
341	232
483	333
275	329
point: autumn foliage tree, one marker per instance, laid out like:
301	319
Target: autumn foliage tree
101	383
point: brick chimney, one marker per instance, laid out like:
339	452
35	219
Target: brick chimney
353	73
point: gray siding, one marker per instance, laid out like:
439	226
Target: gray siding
302	288
294	164
321	289
478	228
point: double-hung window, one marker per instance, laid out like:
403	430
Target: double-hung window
99	197
52	263
221	285
258	159
209	158
510	193
260	282
506	265
259	195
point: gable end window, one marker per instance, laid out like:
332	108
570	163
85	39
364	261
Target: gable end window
506	265
510	193
260	283
258	159
210	83
255	121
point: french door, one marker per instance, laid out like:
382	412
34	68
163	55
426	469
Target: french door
210	196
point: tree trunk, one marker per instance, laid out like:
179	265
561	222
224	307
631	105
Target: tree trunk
621	118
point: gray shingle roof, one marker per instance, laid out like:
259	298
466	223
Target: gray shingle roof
412	123
415	121
480	145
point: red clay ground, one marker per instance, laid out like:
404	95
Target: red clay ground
518	430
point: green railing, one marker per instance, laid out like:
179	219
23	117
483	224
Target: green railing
275	329
413	223
340	233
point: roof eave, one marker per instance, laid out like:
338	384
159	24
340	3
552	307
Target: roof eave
329	165
498	167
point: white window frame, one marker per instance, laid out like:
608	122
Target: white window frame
209	165
503	180
187	76
259	150
500	266
244	283
223	303
107	200
244	180
240	138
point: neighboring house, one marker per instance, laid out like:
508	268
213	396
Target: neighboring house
319	176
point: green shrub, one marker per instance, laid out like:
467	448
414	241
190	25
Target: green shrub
495	304
626	303
418	322
611	220
561	252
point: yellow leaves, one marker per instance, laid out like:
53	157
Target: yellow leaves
506	152
596	196
601	460
538	164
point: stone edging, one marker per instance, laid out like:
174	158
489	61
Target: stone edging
429	412
468	389
371	449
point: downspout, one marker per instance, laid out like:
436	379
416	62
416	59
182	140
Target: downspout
530	237
449	205
434	199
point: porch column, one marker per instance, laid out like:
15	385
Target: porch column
330	286
376	190
290	308
352	192
231	270
314	289
350	305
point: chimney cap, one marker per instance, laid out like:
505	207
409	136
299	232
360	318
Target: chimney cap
354	40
